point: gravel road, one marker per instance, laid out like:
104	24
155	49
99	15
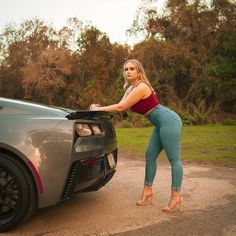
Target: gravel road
209	195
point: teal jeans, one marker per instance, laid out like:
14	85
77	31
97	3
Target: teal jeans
166	135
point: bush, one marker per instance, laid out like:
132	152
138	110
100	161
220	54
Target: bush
229	122
132	120
195	115
123	124
139	120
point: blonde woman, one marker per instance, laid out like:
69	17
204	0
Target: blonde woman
140	98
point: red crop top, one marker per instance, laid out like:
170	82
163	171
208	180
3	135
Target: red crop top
145	105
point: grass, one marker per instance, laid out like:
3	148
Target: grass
215	144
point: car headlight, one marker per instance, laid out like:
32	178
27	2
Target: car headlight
84	129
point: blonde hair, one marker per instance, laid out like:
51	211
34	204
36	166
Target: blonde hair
141	73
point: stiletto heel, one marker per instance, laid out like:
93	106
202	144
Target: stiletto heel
147	194
152	199
181	204
175	200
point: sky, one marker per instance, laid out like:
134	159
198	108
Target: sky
112	17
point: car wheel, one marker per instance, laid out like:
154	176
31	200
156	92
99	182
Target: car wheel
17	193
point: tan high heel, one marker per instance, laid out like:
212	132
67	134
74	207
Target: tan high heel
147	194
175	200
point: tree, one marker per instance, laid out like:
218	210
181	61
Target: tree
98	60
37	61
196	47
19	47
45	78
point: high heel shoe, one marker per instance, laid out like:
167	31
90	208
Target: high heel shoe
147	194
175	200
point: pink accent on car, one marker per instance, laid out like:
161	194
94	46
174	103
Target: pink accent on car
36	174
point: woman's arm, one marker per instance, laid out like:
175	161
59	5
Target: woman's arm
127	92
127	101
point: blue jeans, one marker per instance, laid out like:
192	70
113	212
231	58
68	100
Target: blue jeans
166	135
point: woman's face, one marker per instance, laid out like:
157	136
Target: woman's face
131	73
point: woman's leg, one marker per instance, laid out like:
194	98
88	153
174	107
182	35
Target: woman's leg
154	148
152	152
170	138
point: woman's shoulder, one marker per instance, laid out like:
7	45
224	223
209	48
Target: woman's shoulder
143	85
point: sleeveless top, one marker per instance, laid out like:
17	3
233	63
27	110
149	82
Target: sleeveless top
145	105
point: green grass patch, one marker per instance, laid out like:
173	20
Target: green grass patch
206	144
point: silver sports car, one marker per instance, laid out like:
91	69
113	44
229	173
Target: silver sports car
47	154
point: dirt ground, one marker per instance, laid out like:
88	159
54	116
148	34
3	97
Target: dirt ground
209	196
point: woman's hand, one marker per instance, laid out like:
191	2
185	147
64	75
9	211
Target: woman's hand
94	107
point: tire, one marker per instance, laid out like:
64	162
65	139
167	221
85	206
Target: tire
17	193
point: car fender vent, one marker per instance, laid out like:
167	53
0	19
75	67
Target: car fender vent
71	180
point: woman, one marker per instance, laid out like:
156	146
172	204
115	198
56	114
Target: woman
140	98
